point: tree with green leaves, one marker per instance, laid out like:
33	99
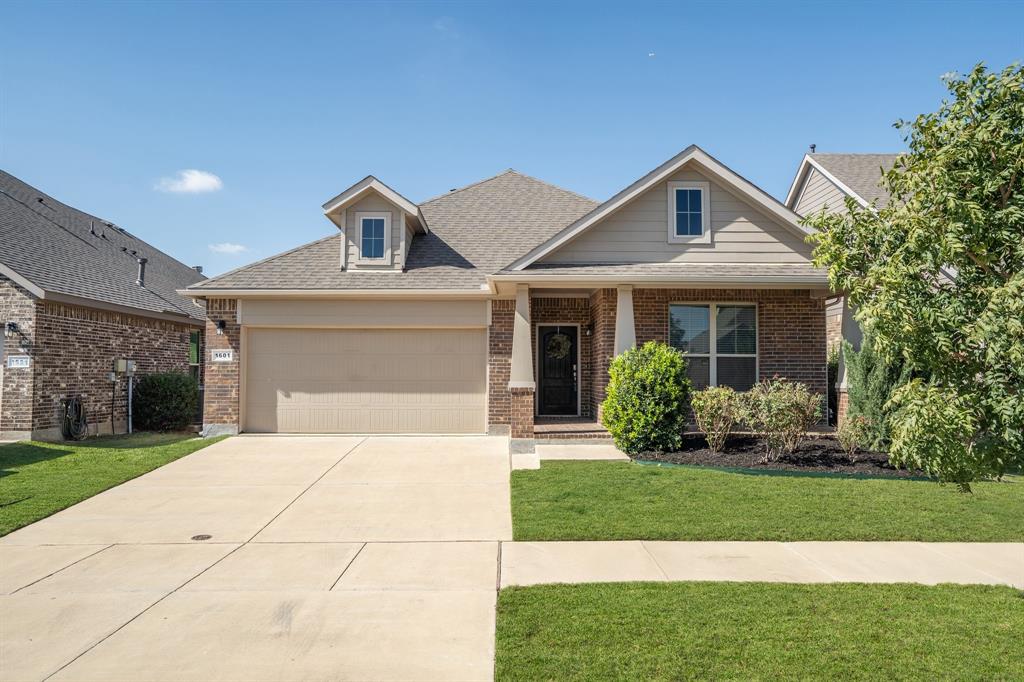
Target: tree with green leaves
937	278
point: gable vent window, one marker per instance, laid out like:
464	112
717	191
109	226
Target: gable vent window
372	238
720	342
689	217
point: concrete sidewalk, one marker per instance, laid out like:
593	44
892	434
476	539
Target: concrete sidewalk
531	563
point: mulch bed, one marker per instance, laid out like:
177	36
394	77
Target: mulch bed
817	454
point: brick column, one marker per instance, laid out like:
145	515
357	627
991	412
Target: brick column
842	406
222	394
522	412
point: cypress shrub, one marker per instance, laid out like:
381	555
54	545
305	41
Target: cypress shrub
871	380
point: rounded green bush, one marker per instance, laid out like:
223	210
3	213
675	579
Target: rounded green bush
165	402
648	399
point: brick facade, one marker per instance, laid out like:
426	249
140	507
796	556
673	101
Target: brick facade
790	327
602	314
553	311
16	385
522	412
842	407
73	349
223	389
791	344
499	362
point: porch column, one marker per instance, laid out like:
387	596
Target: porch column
852	334
625	333
521	385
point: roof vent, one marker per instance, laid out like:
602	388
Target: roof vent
141	281
198	268
92	229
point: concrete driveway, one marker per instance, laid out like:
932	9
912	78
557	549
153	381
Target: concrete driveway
329	558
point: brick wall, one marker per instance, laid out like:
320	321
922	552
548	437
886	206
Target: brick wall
550	311
220	406
521	412
16	385
499	362
76	350
790	327
73	349
602	314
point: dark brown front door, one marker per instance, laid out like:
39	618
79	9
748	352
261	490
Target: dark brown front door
557	371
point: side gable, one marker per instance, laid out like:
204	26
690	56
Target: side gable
746	224
818	192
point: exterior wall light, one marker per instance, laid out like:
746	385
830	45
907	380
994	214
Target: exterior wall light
10	329
221	324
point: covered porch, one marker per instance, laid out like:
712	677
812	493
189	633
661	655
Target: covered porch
563	338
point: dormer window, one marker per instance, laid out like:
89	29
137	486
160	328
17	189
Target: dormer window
689	212
374	233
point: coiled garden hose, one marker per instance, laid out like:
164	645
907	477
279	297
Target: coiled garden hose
74	426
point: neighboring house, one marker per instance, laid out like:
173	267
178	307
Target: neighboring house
824	182
76	294
498	306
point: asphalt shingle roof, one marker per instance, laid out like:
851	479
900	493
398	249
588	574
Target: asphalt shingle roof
860	172
474	231
49	243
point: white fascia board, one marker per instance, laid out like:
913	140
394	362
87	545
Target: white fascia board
667	280
367	184
787	218
22	282
335	293
805	167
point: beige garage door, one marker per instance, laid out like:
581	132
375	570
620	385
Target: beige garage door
365	381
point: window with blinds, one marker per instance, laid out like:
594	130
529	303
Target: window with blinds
720	342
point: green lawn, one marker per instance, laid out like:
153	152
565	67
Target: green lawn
626	501
759	631
39	479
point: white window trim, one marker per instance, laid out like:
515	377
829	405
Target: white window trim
705	212
360	217
713	353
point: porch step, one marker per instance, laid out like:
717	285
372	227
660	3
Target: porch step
569	429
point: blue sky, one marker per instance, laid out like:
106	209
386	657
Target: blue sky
287	104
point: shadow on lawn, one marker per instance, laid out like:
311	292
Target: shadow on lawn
14	455
139	439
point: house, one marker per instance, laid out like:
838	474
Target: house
76	294
825	181
497	307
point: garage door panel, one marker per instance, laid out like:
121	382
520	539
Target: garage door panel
365	381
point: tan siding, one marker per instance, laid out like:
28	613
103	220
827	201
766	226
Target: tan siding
366	314
365	381
378	204
817	192
638	233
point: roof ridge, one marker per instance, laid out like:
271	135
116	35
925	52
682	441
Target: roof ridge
553	186
268	259
472	184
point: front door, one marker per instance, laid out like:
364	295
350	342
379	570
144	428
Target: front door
557	370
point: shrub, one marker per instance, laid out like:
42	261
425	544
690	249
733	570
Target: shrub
852	434
781	412
648	398
716	410
165	402
938	431
871	381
